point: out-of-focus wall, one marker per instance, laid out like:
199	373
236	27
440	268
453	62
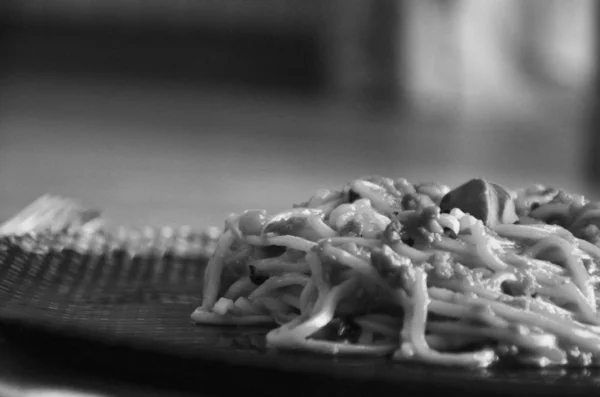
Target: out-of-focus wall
283	15
465	55
255	44
516	76
181	111
499	56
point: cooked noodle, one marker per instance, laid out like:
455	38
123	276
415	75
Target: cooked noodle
416	272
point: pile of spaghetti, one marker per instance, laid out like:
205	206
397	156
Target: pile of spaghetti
418	272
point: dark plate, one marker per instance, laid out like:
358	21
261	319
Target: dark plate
131	318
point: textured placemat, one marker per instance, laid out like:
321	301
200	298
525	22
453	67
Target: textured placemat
123	304
137	284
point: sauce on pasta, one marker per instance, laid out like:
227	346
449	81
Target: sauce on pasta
417	272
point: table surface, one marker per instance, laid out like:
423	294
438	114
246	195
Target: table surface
23	375
174	155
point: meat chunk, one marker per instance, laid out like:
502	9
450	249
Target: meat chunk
486	201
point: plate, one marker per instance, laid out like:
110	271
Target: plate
129	317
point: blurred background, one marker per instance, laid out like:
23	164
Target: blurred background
181	111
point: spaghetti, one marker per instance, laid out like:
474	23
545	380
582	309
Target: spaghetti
417	272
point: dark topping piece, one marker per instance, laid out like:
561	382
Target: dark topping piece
255	278
258	252
488	202
446	204
449	233
353	196
410	201
523	286
343	329
289	226
348	330
272	251
352	229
